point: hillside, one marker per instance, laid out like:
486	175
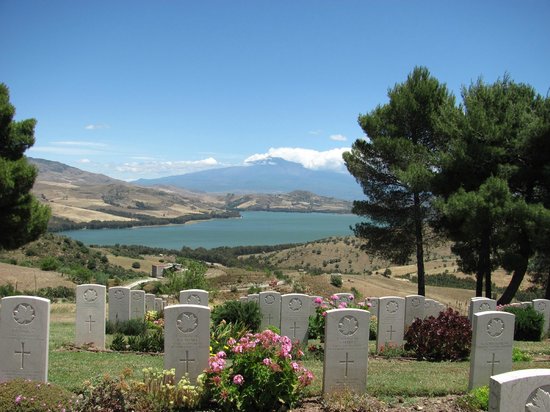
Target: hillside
78	198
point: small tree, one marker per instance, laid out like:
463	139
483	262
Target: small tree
22	217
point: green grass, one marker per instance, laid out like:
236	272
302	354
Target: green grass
388	379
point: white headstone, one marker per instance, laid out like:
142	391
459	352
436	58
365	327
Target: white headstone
254	297
270	309
346	350
186	340
492	341
194	297
518	391
24	338
137	304
119	304
543	306
414	309
295	311
343	297
480	304
158	305
90	315
431	308
374	303
391	321
149	302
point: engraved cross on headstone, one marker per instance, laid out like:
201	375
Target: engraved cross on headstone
187	360
391	331
136	310
493	362
22	353
294	329
269	317
89	322
347	361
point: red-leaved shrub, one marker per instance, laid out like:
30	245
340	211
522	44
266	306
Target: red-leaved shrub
447	337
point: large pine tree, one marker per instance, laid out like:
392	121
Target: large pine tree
395	166
22	217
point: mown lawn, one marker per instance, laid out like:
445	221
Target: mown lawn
387	378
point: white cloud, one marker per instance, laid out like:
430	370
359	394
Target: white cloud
166	168
78	143
315	132
309	158
71	148
338	137
96	126
84	161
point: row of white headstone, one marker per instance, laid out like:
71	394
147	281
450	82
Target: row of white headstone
24	335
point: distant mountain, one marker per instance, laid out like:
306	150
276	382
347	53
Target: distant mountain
273	175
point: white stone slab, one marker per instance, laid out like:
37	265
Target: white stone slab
522	390
431	308
270	309
137	304
254	297
346	350
480	304
391	321
374	304
295	311
543	306
158	305
119	304
414	309
24	338
90	315
186	339
149	302
492	342
194	297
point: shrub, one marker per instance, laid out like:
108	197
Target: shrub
520	356
447	337
132	327
477	399
336	280
221	334
136	265
263	375
119	342
105	395
232	311
528	323
373	327
26	395
149	341
49	263
7	290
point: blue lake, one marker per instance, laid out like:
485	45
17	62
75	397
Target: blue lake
254	228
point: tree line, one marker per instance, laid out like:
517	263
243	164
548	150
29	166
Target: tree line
475	173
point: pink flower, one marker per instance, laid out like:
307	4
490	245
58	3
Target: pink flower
18	399
221	354
334	297
267	361
318	300
351	297
238	379
295	365
324	314
231	341
342	305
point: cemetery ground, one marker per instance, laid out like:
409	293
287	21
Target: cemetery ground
394	383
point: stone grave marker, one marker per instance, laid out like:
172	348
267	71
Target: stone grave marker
186	340
90	315
480	304
254	297
391	321
137	304
24	338
119	304
374	303
543	306
149	302
492	341
158	305
346	350
194	297
414	308
270	309
243	299
295	311
431	308
518	391
526	304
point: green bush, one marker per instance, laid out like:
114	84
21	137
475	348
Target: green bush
7	290
49	263
520	356
149	341
232	311
118	343
528	323
477	399
136	265
26	395
447	337
132	327
336	280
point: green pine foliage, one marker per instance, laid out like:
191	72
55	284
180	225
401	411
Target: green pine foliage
528	323
22	217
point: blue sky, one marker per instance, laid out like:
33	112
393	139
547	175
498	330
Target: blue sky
138	89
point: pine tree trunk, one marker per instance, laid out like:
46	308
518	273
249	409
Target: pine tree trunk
419	247
519	271
479	284
547	293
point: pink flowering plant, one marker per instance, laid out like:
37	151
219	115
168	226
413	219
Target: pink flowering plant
317	321
264	374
